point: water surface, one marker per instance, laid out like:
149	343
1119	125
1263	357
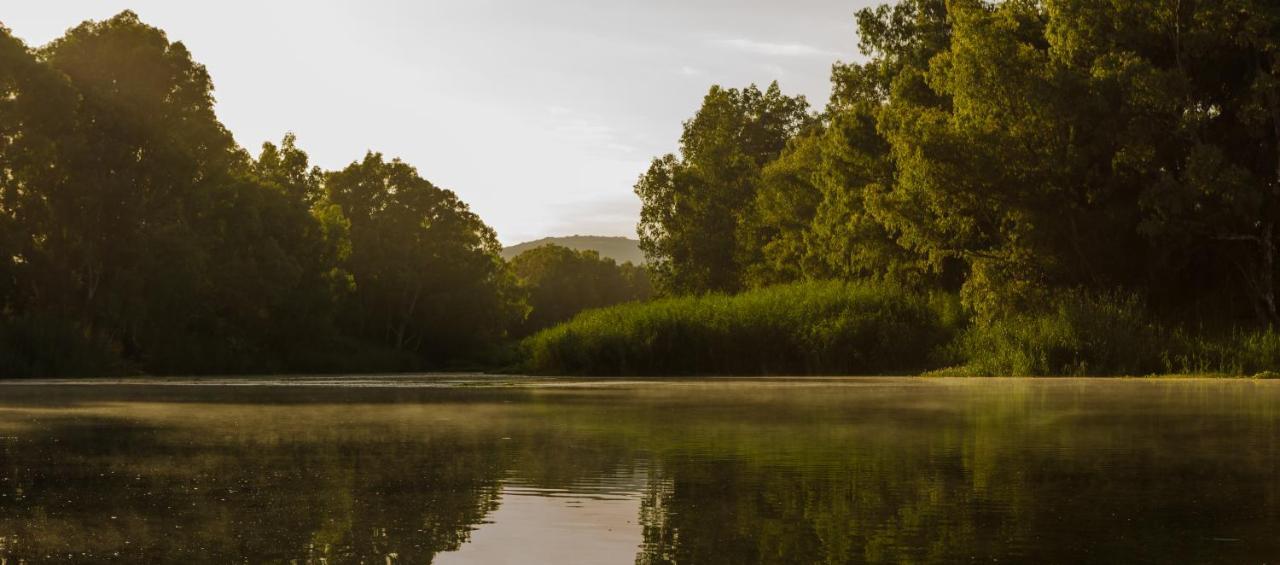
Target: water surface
461	469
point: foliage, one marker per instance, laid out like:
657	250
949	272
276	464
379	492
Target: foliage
1086	144
53	348
692	228
803	328
620	249
1239	352
562	282
1046	159
1109	334
133	223
1079	335
1014	150
426	269
1041	160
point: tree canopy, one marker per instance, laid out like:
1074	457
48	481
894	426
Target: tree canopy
133	223
1009	151
1012	150
690	226
562	282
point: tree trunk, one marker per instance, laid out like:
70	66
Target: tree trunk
1260	281
1268	226
1266	276
406	316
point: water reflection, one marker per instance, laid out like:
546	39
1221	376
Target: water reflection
585	522
782	471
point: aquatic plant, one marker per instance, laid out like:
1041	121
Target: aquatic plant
802	328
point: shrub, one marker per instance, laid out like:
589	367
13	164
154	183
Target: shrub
802	328
1079	334
1241	352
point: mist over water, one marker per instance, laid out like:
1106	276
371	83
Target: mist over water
483	470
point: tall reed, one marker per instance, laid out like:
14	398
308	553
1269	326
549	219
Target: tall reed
802	328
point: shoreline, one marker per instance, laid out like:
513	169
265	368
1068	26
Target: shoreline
487	380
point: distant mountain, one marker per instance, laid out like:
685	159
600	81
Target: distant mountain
620	249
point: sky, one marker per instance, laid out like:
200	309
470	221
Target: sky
541	114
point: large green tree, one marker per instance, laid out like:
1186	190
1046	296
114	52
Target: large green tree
161	232
118	226
694	228
37	115
1013	149
1095	144
818	213
130	218
427	274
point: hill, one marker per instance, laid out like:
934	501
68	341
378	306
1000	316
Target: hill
620	249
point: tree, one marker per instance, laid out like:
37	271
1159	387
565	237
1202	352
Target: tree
692	227
128	213
140	168
816	215
37	109
1199	100
1013	149
813	217
427	275
274	279
782	214
1093	145
562	282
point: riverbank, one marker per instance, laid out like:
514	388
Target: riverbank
502	381
865	328
829	328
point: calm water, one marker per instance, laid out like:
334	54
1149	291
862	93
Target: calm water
480	470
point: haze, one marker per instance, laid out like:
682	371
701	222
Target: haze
570	98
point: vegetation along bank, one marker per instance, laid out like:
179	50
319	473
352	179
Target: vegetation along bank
1057	187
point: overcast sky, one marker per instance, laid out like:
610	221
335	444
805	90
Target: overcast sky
539	113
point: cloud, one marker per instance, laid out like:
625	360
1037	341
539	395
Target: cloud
690	71
774	49
775	70
587	131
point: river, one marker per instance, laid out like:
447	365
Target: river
466	469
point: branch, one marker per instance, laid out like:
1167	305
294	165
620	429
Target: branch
1238	237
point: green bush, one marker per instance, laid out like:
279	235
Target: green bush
861	328
1243	352
1079	334
804	328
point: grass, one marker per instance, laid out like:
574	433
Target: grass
1253	353
1077	335
816	328
1110	334
837	328
803	328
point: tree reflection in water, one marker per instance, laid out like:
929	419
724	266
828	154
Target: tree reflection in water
843	471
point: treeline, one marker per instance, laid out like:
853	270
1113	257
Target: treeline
1060	168
1012	152
1006	150
870	328
1098	183
136	235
